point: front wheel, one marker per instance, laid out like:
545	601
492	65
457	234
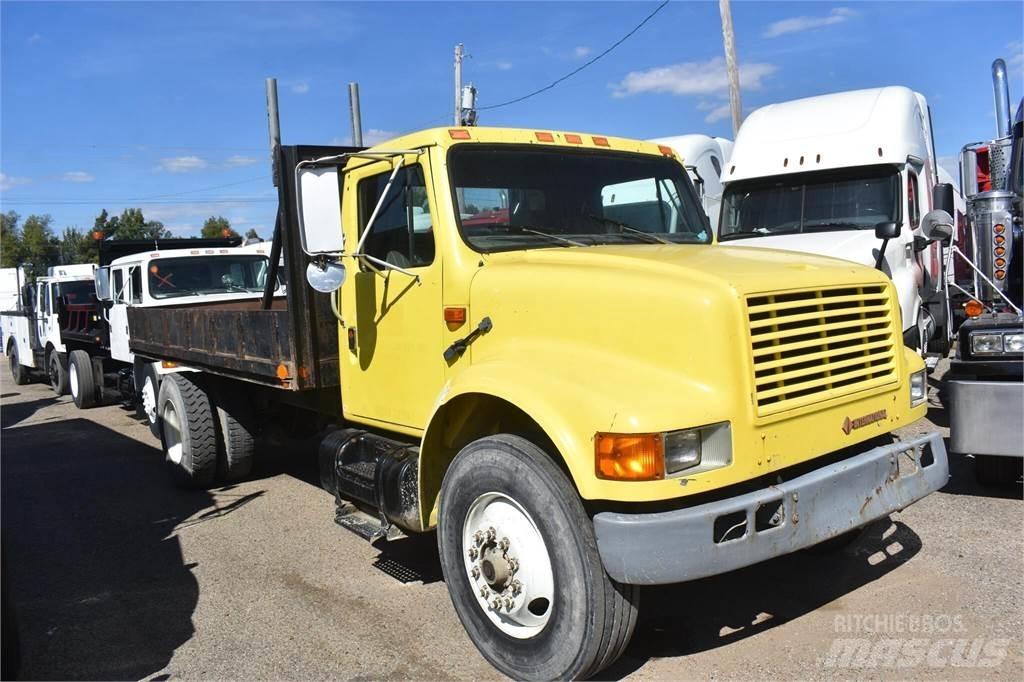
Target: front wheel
522	568
58	373
81	380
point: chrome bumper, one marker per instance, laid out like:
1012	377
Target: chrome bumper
717	537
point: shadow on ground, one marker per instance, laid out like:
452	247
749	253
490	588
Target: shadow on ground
95	573
684	619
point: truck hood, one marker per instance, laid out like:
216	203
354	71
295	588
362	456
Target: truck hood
859	246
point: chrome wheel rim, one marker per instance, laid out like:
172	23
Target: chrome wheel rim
149	399
172	433
73	380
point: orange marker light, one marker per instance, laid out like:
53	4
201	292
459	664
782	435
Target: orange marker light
154	268
458	134
1000	274
455	315
999	228
1000	262
629	457
1000	239
168	364
667	151
973	308
1000	250
601	141
573	139
545	137
282	371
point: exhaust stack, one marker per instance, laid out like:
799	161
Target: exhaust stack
1002	96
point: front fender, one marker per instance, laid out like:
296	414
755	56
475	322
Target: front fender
572	396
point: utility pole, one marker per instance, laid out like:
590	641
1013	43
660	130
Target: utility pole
458	84
353	108
730	65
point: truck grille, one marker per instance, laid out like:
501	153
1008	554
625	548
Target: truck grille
810	346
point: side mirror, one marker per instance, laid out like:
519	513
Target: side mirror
887	230
942	198
319	209
937	225
103	284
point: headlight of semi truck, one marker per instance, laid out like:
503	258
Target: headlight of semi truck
918	388
653	456
1013	342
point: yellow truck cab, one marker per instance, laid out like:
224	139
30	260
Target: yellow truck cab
542	355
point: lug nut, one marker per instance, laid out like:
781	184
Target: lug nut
484	592
478	537
503	544
496	603
513	565
473	553
516	586
475	572
491	534
508	603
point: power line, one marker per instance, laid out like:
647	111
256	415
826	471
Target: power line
581	67
84	202
202	189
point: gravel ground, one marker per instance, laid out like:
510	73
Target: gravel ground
115	575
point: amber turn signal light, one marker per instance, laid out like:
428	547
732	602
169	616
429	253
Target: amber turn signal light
455	315
458	134
973	308
629	457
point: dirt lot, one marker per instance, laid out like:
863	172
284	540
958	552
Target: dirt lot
115	575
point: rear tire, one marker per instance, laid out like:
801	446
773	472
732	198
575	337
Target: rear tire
566	618
188	433
18	371
995	470
235	423
80	379
147	388
58	373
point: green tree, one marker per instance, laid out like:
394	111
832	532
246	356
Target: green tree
218	226
10	240
40	249
78	247
131	224
251	234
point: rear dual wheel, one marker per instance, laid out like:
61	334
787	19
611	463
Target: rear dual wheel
57	372
522	568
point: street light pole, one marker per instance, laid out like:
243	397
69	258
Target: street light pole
729	39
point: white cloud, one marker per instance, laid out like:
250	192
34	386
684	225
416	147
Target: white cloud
581	52
691	78
503	66
182	164
1015	56
238	161
718	113
33	39
9	182
78	176
838	15
300	88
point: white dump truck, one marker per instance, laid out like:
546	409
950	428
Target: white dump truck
852	175
31	329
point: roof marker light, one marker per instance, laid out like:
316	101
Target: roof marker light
544	137
601	141
458	134
573	139
666	150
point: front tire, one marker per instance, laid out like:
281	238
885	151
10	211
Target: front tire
58	373
188	432
522	568
80	379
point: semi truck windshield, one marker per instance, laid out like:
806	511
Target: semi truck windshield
522	198
853	199
200	275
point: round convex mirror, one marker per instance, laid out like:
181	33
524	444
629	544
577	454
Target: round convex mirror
325	279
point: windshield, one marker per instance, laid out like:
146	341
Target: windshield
520	198
205	275
77	292
851	199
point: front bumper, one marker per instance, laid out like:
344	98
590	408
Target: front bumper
717	537
984	417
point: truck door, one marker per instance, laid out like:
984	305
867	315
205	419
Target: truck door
118	313
42	314
392	366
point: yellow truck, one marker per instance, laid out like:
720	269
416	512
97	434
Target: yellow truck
527	341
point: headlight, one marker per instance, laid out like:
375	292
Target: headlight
653	456
918	388
1013	343
986	344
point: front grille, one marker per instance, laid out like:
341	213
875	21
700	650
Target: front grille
810	346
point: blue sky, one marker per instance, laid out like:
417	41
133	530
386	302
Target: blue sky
161	105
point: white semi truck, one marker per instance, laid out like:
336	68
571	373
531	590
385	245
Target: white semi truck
705	159
852	175
31	329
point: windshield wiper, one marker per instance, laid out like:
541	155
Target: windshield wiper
624	227
756	232
530	230
832	226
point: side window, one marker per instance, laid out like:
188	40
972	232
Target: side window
118	292
50	307
717	165
402	233
136	284
914	212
